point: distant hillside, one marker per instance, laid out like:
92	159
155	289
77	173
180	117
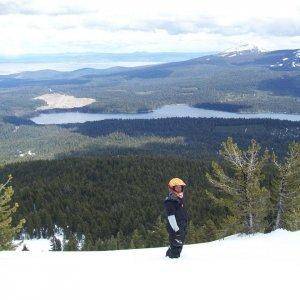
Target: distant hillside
103	57
247	77
182	137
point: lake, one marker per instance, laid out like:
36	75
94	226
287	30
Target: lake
166	111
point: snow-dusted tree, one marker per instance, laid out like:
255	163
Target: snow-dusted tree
286	189
7	230
241	190
55	244
25	248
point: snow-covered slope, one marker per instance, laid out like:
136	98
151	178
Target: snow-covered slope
247	267
39	245
36	245
288	60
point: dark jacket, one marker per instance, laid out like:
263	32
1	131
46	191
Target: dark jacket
176	206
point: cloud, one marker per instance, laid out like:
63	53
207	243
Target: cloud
208	24
173	27
12	7
32	7
279	27
140	25
262	27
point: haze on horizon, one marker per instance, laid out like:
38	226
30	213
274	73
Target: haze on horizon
116	26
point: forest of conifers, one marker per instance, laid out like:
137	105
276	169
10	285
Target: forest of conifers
184	137
106	180
115	202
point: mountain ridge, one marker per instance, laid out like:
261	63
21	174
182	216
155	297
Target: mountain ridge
286	59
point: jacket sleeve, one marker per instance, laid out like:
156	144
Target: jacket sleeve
173	223
170	211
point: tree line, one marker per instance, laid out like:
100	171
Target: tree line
188	137
116	202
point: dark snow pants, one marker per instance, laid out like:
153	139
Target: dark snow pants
175	249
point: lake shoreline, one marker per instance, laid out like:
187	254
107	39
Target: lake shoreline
83	109
77	115
92	110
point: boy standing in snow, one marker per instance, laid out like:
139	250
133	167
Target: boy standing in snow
176	217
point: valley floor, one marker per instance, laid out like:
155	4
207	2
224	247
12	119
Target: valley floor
238	267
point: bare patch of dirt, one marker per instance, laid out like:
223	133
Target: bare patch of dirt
56	100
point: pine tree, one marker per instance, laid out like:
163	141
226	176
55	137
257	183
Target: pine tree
121	240
7	230
55	244
194	234
111	244
161	232
25	248
229	226
100	245
286	189
71	244
208	232
137	240
158	237
88	244
241	190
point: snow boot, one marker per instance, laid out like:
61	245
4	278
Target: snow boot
173	253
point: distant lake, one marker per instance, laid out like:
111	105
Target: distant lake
167	111
11	68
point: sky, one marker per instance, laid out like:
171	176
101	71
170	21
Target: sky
122	26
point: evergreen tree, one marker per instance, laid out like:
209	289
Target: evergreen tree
286	189
55	244
158	237
100	245
137	240
121	240
111	244
71	244
88	244
229	226
205	233
208	232
193	234
25	248
241	190
7	230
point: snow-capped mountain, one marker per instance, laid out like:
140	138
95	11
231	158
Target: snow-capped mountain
242	50
251	55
